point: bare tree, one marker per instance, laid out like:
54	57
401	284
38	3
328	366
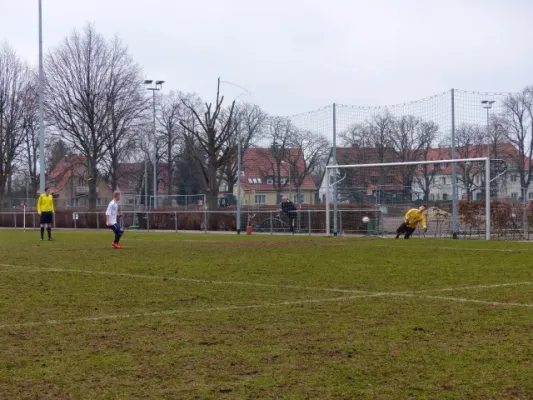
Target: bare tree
273	162
127	107
170	133
408	139
30	125
14	80
213	137
424	177
57	151
309	150
470	144
171	111
249	121
516	122
93	98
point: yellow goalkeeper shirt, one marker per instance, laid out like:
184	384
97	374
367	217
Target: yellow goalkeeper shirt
45	203
414	217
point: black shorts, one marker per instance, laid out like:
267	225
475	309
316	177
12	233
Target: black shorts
405	229
47	218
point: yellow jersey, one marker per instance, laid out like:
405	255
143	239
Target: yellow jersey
414	217
45	203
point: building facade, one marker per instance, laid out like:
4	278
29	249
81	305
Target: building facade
265	178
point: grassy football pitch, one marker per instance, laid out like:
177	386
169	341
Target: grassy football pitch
178	316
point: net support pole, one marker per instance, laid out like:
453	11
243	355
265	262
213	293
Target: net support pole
335	227
42	172
239	168
487	198
328	222
455	194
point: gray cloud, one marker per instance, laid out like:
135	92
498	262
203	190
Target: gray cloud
299	55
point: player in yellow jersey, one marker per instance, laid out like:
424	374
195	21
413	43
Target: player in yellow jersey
45	208
413	217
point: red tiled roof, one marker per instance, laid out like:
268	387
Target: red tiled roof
259	163
63	171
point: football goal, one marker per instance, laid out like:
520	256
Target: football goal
395	187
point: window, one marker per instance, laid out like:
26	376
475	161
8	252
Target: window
514	178
259	181
443	165
445	196
514	195
74	202
299	199
250	180
530	195
270	181
374	179
98	202
80	182
390	179
242	173
443	180
260	199
419	166
432	197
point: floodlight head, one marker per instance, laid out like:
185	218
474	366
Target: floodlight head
148	82
159	82
487	103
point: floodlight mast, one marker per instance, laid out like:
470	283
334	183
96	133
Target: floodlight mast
457	160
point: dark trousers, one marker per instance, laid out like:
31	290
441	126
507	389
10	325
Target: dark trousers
405	230
118	231
292	219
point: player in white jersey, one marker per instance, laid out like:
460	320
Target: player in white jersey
111	219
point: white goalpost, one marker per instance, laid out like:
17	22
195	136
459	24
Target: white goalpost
334	184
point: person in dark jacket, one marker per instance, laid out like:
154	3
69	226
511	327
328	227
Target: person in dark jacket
289	209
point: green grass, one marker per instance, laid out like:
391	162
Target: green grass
178	316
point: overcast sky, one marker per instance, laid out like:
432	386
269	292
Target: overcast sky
298	55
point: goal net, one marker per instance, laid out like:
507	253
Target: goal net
464	198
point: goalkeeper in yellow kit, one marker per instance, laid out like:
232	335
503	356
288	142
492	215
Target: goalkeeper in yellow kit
412	219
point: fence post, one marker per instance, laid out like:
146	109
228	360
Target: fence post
33	217
74	219
309	220
340	230
205	220
148	221
97	221
15	219
176	220
271	222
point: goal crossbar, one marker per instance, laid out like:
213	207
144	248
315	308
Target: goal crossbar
486	160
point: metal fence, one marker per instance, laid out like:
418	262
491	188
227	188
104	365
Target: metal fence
382	222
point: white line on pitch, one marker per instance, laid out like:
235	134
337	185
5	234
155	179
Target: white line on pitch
193	310
171	278
476	287
463	300
455	248
269	285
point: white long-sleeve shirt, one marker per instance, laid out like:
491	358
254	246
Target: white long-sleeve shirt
112	212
